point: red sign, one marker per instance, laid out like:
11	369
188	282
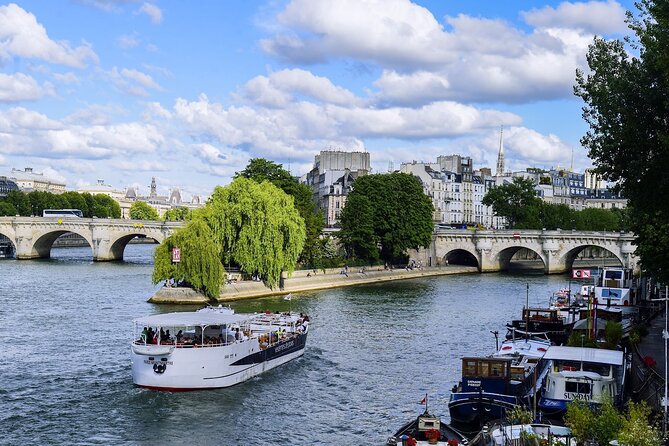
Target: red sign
580	273
176	255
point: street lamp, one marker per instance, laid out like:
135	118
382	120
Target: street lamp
665	336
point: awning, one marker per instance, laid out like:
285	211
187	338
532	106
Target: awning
190	319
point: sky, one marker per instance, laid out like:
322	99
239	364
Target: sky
189	92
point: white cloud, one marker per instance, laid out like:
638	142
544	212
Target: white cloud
469	59
301	129
533	148
596	17
139	165
132	82
153	110
21	35
154	12
127	41
389	32
20	87
66	78
30	133
281	87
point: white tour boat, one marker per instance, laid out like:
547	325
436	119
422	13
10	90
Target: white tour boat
213	347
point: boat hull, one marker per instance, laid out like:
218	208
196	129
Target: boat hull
212	367
471	410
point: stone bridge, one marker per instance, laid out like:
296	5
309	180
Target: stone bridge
33	237
492	250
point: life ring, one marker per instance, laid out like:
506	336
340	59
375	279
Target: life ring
159	367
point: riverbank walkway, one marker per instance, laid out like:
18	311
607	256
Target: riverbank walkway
307	280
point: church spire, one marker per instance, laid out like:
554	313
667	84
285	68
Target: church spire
500	155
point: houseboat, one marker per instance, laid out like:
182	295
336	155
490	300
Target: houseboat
546	321
213	347
492	385
577	373
427	429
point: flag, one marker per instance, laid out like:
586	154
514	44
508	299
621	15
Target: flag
424	400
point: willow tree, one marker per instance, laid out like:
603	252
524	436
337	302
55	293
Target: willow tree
258	228
200	264
255	225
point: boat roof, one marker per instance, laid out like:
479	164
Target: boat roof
191	318
602	356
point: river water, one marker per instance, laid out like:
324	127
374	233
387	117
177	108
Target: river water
372	354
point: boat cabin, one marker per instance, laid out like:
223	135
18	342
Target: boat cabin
486	374
586	374
614	287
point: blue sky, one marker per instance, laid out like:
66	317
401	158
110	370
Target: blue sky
188	92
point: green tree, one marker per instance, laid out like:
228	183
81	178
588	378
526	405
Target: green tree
357	219
21	202
628	138
259	170
581	420
636	430
517	202
7	209
401	214
200	265
106	207
255	225
140	210
608	422
75	201
177	214
554	216
613	333
593	219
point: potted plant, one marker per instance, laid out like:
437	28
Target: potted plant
432	436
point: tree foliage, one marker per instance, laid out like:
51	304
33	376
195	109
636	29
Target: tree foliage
626	105
606	423
260	170
33	203
177	214
636	431
140	210
401	216
518	203
255	225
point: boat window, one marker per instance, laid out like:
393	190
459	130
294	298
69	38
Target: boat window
601	369
567	366
469	368
484	369
614	274
577	387
497	369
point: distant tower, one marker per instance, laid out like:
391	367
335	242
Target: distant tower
500	155
153	193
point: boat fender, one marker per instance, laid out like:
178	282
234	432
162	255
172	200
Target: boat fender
159	368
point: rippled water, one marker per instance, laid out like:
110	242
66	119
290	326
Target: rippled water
372	354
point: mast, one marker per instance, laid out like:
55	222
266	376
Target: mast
527	311
500	155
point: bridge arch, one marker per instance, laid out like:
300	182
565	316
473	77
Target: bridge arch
7	244
571	255
505	256
461	256
117	246
41	247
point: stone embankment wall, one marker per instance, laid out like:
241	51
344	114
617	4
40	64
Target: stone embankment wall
305	280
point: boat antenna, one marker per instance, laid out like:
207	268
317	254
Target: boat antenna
527	311
496	334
